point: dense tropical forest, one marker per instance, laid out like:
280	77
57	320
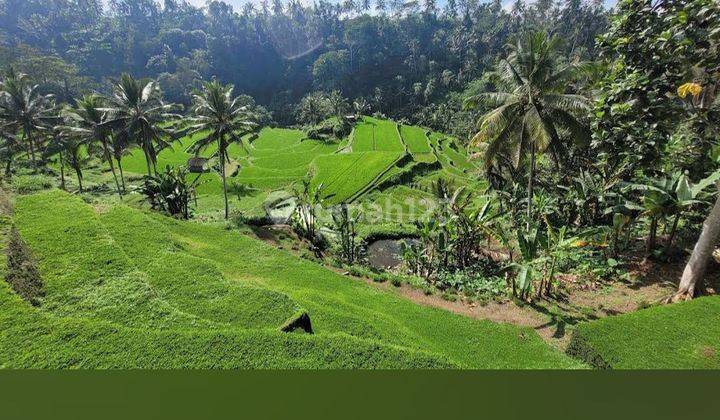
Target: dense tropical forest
385	184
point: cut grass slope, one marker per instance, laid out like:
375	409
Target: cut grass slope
33	337
356	325
339	304
680	336
193	284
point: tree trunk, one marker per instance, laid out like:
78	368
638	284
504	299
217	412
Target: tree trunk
122	176
28	135
531	185
222	170
8	168
673	231
79	177
147	163
109	160
650	245
697	264
62	171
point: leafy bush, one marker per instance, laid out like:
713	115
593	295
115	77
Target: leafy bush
169	191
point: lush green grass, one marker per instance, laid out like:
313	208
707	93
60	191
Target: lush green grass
343	176
679	336
387	137
134	327
355	325
363	137
415	139
190	283
377	135
91	272
339	304
402	204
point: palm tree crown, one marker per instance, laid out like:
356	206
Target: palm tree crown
88	120
24	109
530	109
138	112
221	120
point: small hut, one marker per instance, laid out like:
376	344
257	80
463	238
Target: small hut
197	165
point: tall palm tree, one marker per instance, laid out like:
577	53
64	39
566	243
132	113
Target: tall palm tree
69	147
136	108
9	147
24	109
531	108
221	120
87	120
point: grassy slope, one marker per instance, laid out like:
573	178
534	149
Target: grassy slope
387	137
363	138
142	330
338	304
387	330
680	336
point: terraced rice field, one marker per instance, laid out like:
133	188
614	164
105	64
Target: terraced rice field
344	176
280	158
415	139
377	135
129	289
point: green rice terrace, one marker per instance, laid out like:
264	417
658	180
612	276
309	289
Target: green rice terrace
360	185
126	287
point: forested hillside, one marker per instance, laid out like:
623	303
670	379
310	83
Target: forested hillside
408	60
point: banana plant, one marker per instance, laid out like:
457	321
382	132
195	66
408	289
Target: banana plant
669	197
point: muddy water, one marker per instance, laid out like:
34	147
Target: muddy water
385	253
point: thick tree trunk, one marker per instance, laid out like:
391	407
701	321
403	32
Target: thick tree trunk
697	264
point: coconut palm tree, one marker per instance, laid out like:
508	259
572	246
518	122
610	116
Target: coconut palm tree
70	149
136	108
9	148
531	109
87	119
24	109
220	120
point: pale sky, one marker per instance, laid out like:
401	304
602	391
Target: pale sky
237	4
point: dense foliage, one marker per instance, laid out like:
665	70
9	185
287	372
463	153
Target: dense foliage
403	59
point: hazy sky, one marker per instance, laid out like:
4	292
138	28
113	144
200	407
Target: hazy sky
238	3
